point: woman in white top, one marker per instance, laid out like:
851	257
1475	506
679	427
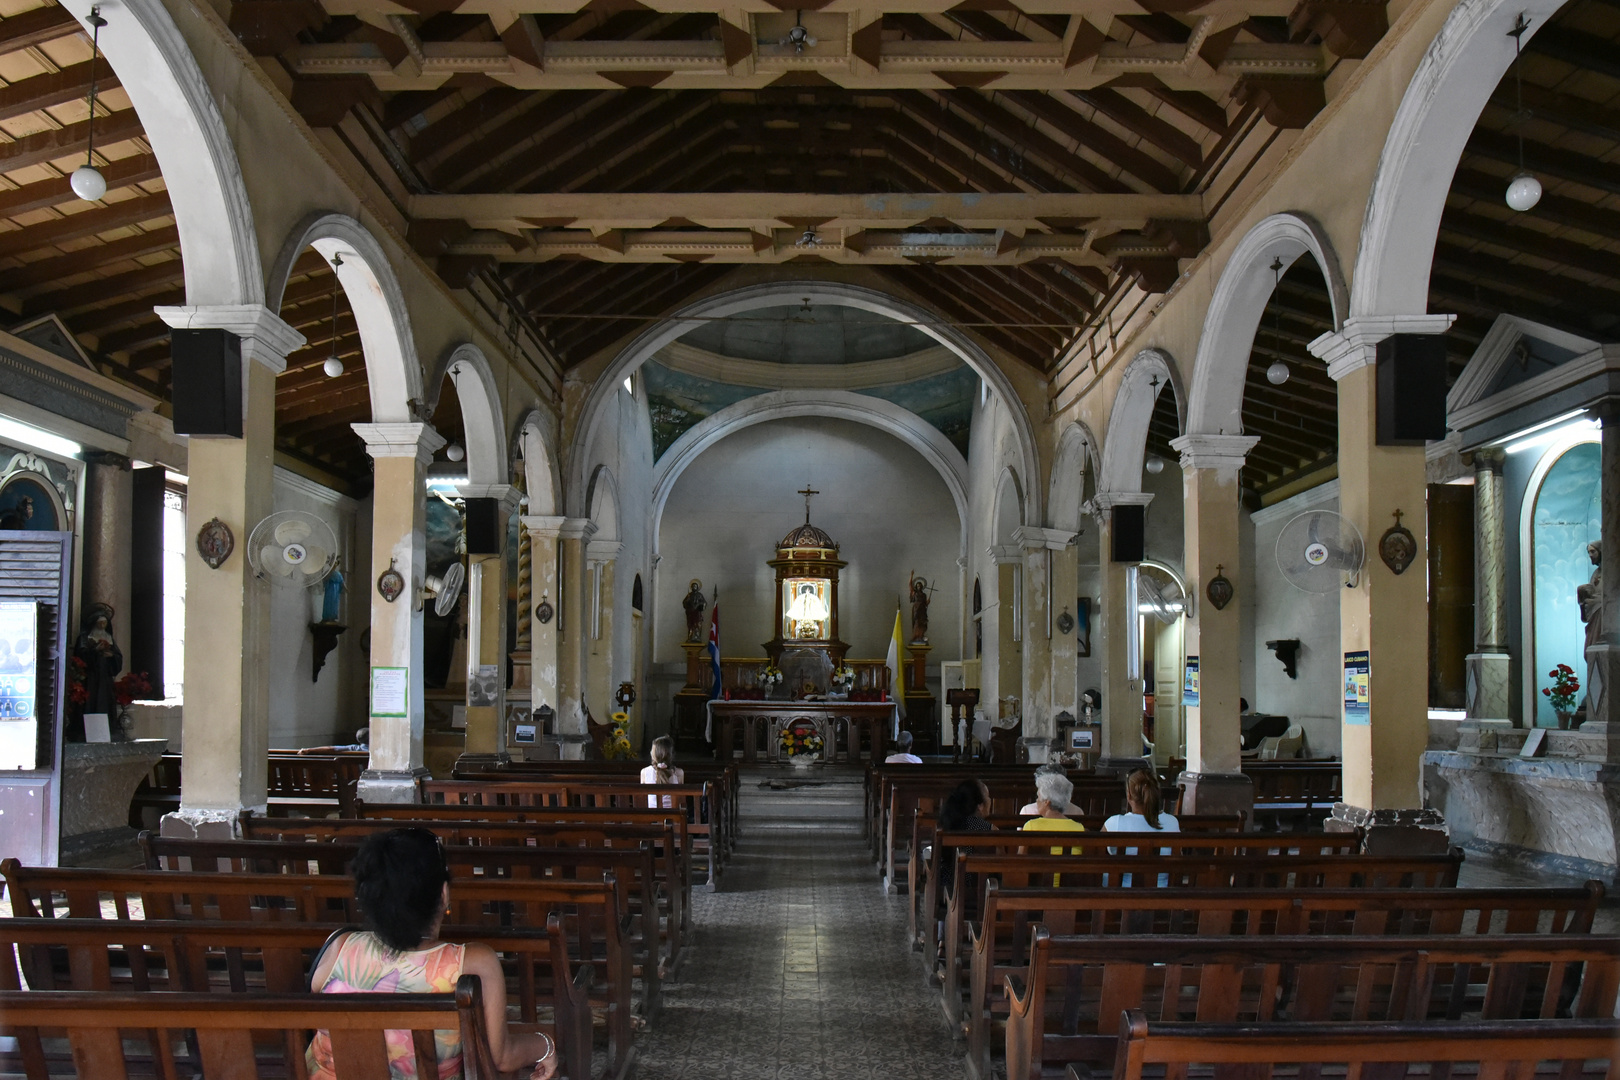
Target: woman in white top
662	771
1142	797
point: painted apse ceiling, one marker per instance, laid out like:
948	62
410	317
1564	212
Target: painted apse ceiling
799	347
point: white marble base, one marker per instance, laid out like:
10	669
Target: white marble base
1488	685
98	780
1566	806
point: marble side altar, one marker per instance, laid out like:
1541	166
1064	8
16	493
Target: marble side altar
98	780
876	718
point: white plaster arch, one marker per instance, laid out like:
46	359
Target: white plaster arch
393	370
1455	78
775	294
886	416
1009	495
1151	373
604	503
1076	456
483	426
183	124
539	465
1246	284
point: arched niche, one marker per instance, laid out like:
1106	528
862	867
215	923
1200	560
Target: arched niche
200	168
393	372
539	465
1246	284
1433	123
604	504
1151	373
1076	459
482	423
611	381
1009	505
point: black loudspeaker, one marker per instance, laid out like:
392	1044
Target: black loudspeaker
1130	533
207	382
482	538
1411	389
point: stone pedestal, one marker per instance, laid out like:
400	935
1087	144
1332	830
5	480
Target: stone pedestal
392	785
1602	698
1391	832
98	780
1487	688
1217	793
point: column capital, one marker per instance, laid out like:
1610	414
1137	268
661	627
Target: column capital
542	527
1223	453
576	529
1004	554
1489	459
266	337
602	551
400	439
1356	346
1100	504
1032	538
506	494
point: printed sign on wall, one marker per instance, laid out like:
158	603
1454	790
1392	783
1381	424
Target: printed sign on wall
1357	688
1189	683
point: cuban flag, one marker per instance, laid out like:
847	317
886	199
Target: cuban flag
714	648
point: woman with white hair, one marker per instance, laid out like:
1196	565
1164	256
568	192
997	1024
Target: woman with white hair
1052	793
1032	808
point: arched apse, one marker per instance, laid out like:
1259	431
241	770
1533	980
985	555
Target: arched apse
886	416
200	168
483	426
774	295
1076	458
539	465
1434	121
1150	374
1241	294
393	371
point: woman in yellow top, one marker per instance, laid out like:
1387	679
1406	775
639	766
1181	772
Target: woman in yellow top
1052	794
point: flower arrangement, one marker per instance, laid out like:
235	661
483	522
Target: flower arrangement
843	677
616	747
77	692
133	686
801	739
1563	690
770	675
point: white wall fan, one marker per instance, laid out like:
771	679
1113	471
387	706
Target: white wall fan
1162	599
1319	551
445	589
293	549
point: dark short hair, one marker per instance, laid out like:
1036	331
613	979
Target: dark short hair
903	743
960	805
399	879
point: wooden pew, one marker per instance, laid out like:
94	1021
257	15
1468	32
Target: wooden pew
1000	938
298	785
1499	1048
1068	1006
229	1031
1302	792
595	914
202	956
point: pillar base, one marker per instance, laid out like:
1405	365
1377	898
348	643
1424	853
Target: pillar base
1480	736
1037	748
1603	696
1487	693
1420	831
391	785
1217	793
193	824
1121	766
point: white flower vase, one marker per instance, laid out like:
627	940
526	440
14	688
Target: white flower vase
802	761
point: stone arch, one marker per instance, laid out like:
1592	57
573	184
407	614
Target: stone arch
485	427
817	292
603	500
1076	456
1241	294
874	412
539	464
1150	373
155	66
1436	116
393	371
1010	507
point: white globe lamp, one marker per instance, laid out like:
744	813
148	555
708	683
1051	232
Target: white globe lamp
1277	373
454	452
88	183
1523	192
333	366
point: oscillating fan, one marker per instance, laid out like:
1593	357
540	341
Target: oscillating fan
1320	550
293	549
444	588
1163	600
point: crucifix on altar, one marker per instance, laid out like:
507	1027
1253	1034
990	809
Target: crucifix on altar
806	609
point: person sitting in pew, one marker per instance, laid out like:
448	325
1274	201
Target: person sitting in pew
902	752
361	739
403	885
1143	798
1053	791
1030	809
662	771
965	808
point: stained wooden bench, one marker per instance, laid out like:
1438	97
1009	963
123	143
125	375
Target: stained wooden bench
203	956
237	1037
1068	1005
1302	792
297	785
1000	938
1568	1049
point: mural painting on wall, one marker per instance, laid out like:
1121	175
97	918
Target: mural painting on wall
1566	518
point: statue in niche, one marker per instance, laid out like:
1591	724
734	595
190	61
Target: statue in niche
18	516
919	608
102	660
695	604
1590	598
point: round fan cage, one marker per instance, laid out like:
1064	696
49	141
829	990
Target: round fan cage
1159	595
1320	551
293	549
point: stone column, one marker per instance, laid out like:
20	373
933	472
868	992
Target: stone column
573	634
225	727
1489	665
601	564
400	455
1115	635
523	638
1009	670
1214	782
486	631
109	489
1040	547
1386	614
1603	656
1065	563
544	589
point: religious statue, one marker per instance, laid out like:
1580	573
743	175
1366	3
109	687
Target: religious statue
1590	596
695	604
919	608
102	660
332	597
17	517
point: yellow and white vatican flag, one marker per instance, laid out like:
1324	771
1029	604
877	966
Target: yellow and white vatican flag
896	673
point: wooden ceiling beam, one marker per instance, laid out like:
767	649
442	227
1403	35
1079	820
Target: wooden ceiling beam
1020	134
531	124
986	143
1558	209
1582	168
70	141
48	271
93	293
965	164
492	106
36	92
968	308
523	169
1531	242
1100	141
60	230
139	169
1137	120
1549	287
354	396
1448	293
1587	52
626	297
36	27
97	320
1012	307
652	298
145	333
675	111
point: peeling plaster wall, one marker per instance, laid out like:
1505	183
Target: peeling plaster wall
992	448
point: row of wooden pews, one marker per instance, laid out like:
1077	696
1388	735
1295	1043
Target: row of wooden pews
298	785
580	886
1077	954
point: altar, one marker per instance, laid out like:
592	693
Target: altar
877	719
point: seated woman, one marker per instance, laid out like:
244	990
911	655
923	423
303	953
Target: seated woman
902	752
403	885
1032	808
964	810
1143	798
662	771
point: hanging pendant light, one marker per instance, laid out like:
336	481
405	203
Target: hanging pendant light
454	452
1524	190
87	182
1278	372
334	365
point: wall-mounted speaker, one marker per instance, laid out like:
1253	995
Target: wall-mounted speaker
482	534
1130	533
1411	389
207	382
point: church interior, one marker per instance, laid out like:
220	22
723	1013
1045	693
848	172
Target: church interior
1084	413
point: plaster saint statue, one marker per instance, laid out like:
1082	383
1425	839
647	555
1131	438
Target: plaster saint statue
919	608
18	516
1590	596
103	660
695	605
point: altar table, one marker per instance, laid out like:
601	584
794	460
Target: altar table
879	719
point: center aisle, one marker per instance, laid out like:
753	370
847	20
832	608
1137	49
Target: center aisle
799	966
